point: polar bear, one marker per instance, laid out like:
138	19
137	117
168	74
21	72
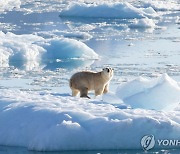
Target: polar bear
86	81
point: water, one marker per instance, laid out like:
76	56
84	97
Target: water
20	150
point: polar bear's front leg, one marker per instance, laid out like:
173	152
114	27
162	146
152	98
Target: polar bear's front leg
75	92
99	91
106	88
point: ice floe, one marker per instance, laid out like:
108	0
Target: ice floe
143	23
105	10
19	50
68	48
160	94
161	5
8	5
48	121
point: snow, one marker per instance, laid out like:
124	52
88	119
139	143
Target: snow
31	50
46	121
8	5
160	94
104	10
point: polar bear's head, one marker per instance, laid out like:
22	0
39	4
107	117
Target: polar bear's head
108	72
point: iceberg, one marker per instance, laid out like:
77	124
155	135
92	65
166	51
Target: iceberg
160	94
19	49
122	10
68	48
161	5
31	50
143	23
46	121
